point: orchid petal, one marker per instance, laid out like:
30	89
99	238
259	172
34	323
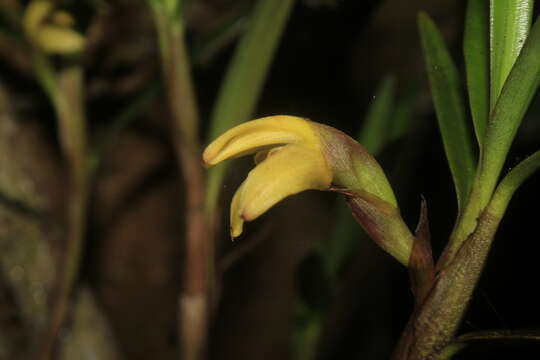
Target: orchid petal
261	134
289	171
236	220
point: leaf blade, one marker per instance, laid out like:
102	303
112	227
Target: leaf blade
374	133
447	99
476	53
250	64
510	21
516	96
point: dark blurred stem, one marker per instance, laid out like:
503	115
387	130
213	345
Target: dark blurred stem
194	298
66	92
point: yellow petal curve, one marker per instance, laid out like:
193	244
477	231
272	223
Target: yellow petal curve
293	169
257	135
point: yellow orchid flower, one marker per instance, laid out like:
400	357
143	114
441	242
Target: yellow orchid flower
289	160
293	154
50	29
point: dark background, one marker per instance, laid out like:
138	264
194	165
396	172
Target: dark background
330	61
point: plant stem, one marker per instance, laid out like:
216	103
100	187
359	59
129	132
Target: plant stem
435	322
195	297
66	92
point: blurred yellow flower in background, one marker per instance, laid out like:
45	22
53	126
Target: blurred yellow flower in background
50	29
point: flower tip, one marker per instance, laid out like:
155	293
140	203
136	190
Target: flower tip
236	230
209	157
205	164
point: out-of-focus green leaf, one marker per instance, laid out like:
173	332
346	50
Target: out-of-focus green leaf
448	101
510	21
245	77
516	95
374	132
225	34
347	233
402	118
475	49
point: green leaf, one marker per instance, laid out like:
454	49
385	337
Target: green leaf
374	133
243	82
447	98
404	113
224	34
245	77
475	49
516	95
510	21
513	180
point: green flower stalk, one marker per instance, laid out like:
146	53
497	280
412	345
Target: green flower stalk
49	31
294	154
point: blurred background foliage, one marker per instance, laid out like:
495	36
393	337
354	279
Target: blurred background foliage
303	282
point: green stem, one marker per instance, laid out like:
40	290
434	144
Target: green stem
516	95
433	325
435	322
66	93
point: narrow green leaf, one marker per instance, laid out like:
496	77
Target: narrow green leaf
516	95
475	49
206	48
447	99
343	241
243	82
510	21
513	180
404	113
374	133
245	77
